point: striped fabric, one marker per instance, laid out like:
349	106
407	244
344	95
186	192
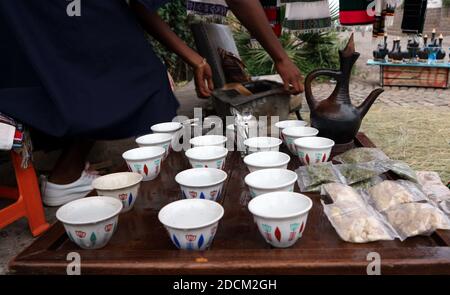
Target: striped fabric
211	8
307	15
356	12
273	12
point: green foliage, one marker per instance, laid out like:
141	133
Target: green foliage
308	51
446	3
174	14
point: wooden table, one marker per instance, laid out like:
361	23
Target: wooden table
141	244
413	74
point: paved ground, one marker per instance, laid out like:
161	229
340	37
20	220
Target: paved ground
16	236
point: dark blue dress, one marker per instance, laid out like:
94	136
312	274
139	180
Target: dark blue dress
93	76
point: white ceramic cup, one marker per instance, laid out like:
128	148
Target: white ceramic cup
208	140
281	217
191	223
262	144
270	180
145	161
289	123
90	222
163	140
174	128
201	183
207	157
266	160
123	186
292	133
313	150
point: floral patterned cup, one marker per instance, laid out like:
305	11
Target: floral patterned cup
90	222
281	217
313	150
201	183
191	223
145	161
207	157
163	140
270	180
123	186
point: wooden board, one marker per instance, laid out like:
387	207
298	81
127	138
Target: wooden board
414	76
141	244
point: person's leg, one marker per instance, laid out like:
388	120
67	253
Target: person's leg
71	163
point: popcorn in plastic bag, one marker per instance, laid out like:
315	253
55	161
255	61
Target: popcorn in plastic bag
357	225
433	187
414	219
390	193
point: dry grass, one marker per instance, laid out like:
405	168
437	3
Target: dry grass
418	136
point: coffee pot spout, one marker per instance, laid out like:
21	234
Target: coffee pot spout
364	107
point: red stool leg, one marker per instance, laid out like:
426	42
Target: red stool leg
30	195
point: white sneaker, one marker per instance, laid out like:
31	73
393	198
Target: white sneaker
59	194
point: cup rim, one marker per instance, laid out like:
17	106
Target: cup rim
277	124
298	142
157	127
273	142
127	157
209	223
191	170
289	131
220	140
96	182
271	170
141	140
248	159
224	153
263	197
88	199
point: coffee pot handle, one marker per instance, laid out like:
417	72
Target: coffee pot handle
312	102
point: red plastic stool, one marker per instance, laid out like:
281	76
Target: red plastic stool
28	199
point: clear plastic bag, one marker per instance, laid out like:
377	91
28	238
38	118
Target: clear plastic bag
390	193
357	224
433	187
399	168
360	155
341	193
368	183
311	177
358	172
412	219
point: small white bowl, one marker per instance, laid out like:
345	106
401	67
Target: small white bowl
90	222
208	140
201	183
207	157
262	144
266	160
145	161
123	186
191	223
270	180
163	140
289	123
312	150
281	217
292	133
173	128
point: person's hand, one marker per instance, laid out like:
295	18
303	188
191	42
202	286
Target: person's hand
292	78
203	80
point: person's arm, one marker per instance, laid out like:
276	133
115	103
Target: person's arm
158	29
251	14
